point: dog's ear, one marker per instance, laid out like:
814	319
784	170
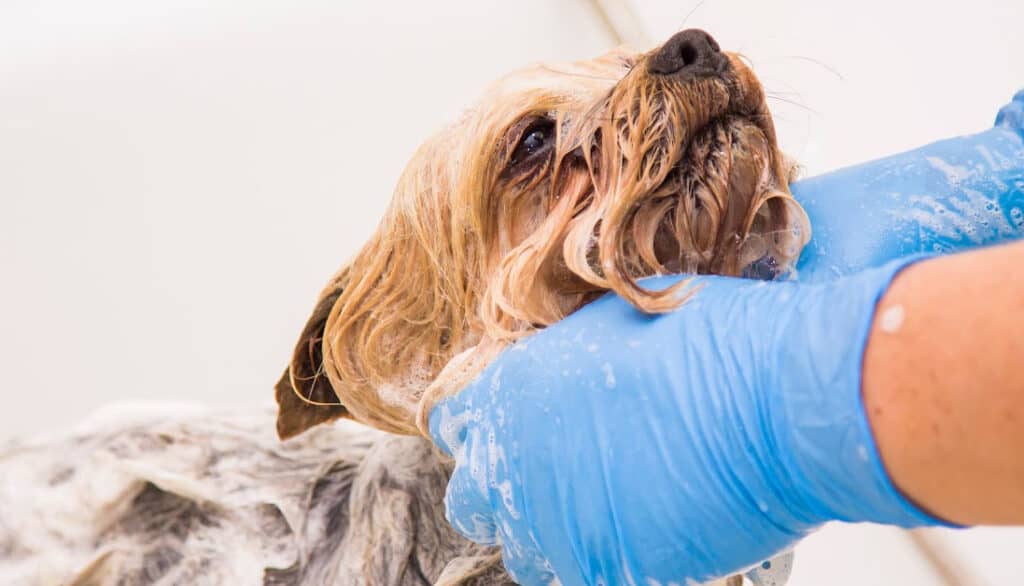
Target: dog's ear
304	395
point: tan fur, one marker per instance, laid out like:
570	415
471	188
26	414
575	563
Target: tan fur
649	175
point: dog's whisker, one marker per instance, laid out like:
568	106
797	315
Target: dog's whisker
810	60
686	18
792	102
577	74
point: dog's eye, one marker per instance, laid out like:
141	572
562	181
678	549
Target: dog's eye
538	137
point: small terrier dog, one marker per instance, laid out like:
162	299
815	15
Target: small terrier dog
563	183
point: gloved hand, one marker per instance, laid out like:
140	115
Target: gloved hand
944	197
617	446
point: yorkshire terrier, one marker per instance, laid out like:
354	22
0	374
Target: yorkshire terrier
564	182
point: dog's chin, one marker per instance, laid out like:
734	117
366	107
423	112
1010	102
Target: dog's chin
734	156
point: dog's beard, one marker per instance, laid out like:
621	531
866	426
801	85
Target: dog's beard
725	214
675	186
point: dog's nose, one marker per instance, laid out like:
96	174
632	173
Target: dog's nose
692	51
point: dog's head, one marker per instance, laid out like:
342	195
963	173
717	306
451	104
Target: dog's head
562	183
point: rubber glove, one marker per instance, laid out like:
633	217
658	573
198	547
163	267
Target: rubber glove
615	447
620	448
945	197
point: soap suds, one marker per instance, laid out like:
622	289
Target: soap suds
609	375
862	453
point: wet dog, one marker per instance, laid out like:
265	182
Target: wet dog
563	183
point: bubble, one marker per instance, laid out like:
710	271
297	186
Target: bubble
609	375
1017	216
862	452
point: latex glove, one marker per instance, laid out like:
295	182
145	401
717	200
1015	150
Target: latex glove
619	448
948	196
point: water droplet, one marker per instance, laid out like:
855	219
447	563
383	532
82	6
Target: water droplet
862	452
1017	216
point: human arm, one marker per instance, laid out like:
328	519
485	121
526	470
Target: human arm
944	387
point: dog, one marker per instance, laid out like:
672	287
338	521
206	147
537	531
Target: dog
564	182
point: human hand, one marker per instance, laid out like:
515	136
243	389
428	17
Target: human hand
617	446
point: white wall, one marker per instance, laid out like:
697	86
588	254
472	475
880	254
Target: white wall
178	178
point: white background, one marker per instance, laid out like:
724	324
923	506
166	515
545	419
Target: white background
179	177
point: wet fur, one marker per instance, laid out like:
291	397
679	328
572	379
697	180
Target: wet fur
166	496
649	174
206	498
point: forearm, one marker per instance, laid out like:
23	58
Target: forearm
943	385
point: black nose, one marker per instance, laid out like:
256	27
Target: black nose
690	52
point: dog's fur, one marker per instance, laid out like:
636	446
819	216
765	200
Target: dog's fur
166	496
172	496
641	174
489	237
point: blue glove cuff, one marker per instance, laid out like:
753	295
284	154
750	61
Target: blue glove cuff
837	470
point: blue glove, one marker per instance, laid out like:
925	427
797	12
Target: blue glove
615	446
948	196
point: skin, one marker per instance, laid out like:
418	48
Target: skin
944	386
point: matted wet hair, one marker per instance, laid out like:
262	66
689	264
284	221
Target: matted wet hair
561	184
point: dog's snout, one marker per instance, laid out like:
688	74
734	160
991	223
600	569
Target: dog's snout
692	51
